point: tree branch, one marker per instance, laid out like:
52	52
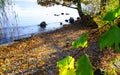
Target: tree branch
68	6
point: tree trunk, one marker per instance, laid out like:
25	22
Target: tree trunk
86	20
79	8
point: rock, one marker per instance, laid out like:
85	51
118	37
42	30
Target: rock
61	23
56	15
67	14
78	18
43	24
66	20
62	13
71	20
99	72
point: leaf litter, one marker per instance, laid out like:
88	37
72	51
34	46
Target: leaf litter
38	55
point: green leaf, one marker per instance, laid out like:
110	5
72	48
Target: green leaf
81	42
66	66
111	15
67	72
117	12
111	37
84	66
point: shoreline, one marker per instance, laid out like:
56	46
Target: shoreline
42	51
34	34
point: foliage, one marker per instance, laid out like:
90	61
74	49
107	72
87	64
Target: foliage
66	66
111	72
83	66
110	37
116	64
112	4
81	42
111	15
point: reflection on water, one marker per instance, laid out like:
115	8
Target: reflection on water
28	15
20	18
7	19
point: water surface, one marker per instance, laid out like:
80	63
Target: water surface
29	15
20	18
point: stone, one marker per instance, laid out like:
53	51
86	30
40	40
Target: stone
71	20
99	72
62	13
67	14
43	24
61	23
56	14
78	18
66	20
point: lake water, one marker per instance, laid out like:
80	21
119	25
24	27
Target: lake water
28	15
24	16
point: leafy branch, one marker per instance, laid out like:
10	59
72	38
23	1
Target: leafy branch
83	66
